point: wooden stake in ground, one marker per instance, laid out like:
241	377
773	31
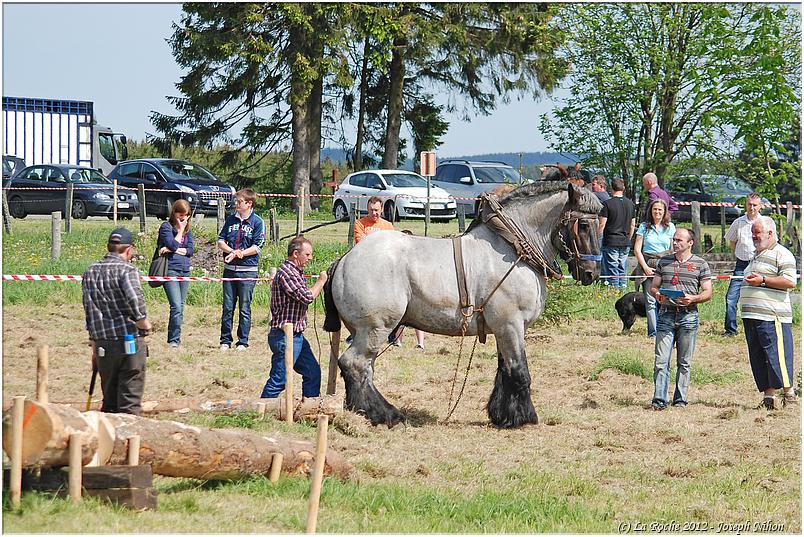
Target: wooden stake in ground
55	233
276	467
41	373
318	474
288	327
75	467
133	458
17	417
300	212
334	353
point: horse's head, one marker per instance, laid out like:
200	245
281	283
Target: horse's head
576	236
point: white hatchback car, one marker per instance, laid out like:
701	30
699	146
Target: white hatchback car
404	195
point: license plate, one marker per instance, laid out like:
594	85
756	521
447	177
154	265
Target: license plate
213	201
122	205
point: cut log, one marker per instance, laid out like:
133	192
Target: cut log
307	409
46	433
171	448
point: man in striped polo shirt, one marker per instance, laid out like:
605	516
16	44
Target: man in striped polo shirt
677	324
289	300
768	316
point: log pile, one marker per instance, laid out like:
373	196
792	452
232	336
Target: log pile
170	448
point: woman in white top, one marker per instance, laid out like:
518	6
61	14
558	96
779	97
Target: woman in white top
653	240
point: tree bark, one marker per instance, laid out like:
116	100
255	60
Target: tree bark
394	120
357	158
299	94
171	448
314	141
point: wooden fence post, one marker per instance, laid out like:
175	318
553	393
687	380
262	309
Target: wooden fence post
221	216
352	217
272	236
300	212
790	223
722	228
697	246
461	218
276	466
15	475
318	473
55	232
114	202
42	374
6	213
141	198
68	208
334	353
288	327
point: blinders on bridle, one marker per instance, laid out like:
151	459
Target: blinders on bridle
565	238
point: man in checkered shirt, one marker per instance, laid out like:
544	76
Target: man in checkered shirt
289	300
114	306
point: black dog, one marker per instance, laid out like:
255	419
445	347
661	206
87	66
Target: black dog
628	307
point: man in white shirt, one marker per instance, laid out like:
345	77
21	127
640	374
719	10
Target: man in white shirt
739	238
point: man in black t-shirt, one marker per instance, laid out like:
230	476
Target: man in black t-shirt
617	225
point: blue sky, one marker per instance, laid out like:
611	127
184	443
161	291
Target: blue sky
116	55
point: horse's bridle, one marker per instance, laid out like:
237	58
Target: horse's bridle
568	227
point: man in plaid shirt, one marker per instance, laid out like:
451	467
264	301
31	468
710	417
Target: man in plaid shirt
114	306
289	300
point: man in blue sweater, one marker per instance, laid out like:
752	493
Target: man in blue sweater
241	238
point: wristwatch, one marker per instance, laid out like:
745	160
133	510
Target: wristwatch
763	284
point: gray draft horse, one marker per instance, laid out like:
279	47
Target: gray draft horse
391	278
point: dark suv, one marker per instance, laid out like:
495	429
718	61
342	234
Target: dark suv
469	179
167	180
708	188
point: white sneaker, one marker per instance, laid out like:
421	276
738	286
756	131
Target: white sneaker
242	348
173	344
224	347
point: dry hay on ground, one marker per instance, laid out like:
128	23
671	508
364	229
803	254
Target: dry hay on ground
599	431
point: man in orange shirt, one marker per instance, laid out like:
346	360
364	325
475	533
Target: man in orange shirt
373	222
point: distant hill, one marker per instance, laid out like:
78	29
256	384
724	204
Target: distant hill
512	159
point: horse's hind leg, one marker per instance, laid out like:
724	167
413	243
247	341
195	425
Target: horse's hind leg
357	370
510	404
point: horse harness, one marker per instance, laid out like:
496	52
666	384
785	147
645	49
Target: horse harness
492	214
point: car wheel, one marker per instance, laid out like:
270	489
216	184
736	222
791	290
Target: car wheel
126	217
168	207
16	207
79	210
390	213
339	210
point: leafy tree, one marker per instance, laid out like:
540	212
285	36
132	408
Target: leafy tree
651	82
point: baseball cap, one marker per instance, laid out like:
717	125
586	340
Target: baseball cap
120	236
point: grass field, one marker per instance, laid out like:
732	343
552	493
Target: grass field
599	461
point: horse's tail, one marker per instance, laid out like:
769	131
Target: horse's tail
332	319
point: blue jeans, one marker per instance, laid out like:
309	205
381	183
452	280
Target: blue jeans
732	296
176	294
651	307
679	329
615	263
304	363
237	292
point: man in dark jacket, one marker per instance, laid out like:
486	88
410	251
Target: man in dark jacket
241	238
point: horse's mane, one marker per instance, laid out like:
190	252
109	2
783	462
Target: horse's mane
587	203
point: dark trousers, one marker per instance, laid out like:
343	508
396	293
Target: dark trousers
770	350
122	376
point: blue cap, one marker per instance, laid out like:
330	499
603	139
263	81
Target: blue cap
120	236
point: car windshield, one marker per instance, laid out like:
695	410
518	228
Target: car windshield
496	174
723	184
181	169
405	180
85	175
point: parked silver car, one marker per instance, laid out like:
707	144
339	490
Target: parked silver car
468	179
404	195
